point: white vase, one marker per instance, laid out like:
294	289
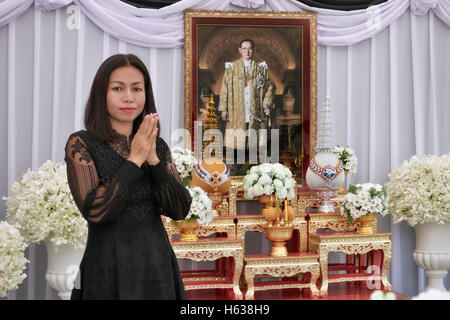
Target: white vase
62	268
433	252
323	177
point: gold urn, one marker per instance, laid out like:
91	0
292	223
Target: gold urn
188	230
366	224
279	235
271	210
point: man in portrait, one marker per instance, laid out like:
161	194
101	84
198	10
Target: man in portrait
246	97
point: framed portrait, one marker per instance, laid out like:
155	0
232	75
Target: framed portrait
252	77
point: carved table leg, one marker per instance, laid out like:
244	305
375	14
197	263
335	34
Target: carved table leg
386	263
324	270
249	276
238	265
314	275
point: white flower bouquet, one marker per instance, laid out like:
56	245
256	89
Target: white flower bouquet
419	190
12	258
365	198
269	179
185	162
348	159
42	207
201	206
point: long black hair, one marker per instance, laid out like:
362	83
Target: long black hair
96	118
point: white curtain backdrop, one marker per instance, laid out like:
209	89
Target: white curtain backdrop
390	94
163	28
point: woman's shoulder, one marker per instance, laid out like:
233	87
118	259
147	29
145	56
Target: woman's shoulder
81	138
85	135
76	147
79	133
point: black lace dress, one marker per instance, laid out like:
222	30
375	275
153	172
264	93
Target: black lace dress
128	253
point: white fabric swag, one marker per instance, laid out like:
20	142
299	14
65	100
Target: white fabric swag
163	28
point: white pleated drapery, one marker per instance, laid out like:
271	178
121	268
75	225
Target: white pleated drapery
390	93
163	28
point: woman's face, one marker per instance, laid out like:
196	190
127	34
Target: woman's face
125	98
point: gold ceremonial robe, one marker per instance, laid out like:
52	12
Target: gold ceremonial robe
232	99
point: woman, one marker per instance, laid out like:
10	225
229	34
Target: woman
122	179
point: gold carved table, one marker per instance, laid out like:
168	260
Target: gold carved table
293	264
221	224
351	243
331	220
211	249
257	222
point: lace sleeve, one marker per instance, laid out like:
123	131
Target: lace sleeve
99	201
171	195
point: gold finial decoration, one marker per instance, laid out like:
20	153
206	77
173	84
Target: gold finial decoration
211	123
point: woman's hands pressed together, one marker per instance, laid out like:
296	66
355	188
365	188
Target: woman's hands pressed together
143	147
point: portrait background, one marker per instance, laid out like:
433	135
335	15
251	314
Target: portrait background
287	43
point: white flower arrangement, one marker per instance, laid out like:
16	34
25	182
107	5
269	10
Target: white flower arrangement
348	159
12	258
185	162
419	190
201	206
365	198
42	207
269	179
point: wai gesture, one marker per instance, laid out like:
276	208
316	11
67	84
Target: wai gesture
143	147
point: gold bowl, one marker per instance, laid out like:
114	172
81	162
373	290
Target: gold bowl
188	230
366	224
279	235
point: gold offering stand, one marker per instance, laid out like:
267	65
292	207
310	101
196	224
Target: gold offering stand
334	221
293	264
352	243
290	268
224	227
211	250
310	256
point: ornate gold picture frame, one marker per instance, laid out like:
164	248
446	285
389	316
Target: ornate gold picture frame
285	44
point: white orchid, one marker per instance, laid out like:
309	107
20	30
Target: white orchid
419	190
42	207
12	258
268	179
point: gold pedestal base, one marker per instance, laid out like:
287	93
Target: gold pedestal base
188	237
279	249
